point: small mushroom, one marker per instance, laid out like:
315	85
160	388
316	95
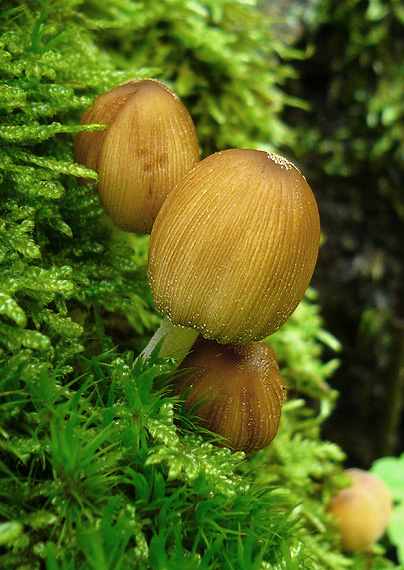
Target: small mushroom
236	390
362	510
234	246
150	143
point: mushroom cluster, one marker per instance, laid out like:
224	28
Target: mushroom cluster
233	246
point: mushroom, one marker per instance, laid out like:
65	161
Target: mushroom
234	247
362	510
150	143
236	391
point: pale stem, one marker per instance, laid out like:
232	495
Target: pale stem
176	344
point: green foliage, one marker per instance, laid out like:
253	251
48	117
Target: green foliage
99	468
390	470
366	80
164	495
51	237
226	61
300	344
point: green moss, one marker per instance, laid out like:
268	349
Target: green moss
226	60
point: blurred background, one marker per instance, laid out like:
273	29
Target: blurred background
352	141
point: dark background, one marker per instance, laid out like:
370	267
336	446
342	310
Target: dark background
352	142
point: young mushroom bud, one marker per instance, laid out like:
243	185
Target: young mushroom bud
236	391
362	510
150	143
234	246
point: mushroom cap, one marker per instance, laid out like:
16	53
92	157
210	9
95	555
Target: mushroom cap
149	145
234	246
239	389
362	510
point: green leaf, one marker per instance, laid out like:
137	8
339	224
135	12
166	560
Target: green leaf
10	308
13	339
9	531
391	471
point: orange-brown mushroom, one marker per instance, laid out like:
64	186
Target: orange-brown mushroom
362	510
150	143
234	246
236	390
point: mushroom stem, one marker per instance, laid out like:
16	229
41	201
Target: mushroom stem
176	344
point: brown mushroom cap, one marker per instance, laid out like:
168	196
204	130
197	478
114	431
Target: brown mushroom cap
234	246
149	145
362	510
240	389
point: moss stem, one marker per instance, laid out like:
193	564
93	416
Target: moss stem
176	344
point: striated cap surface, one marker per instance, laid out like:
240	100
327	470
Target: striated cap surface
150	143
234	246
237	390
